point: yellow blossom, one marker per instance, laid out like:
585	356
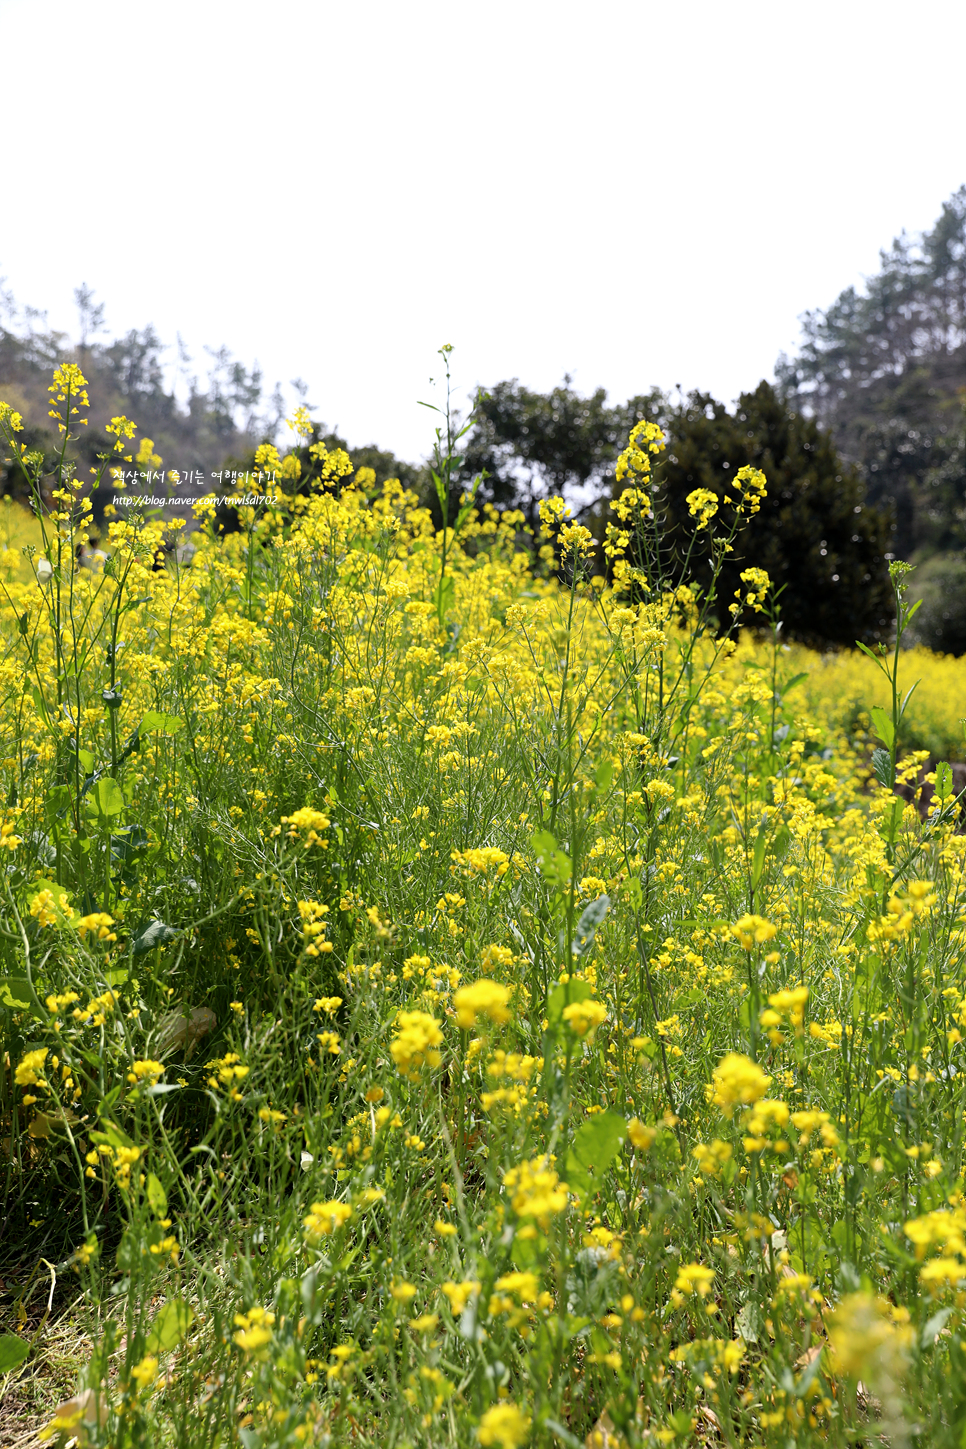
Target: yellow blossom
325	1218
738	1082
504	1427
482	998
416	1041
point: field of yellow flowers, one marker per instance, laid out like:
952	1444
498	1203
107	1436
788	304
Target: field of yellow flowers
451	1000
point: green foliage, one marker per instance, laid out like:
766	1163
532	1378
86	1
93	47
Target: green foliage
533	445
940	583
13	1351
884	370
816	535
595	1145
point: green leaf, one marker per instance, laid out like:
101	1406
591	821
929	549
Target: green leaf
564	994
154	935
563	1435
86	760
13	1351
603	776
15	993
108	796
157	1197
112	1135
943	787
892	818
884	727
882	767
128	1256
554	864
444	595
934	1326
160	724
171	1323
590	919
909	693
596	1143
59	903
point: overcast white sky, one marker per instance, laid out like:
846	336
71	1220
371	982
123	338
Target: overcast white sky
637	193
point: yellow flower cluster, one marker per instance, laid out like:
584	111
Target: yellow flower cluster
325	1218
535	1190
738	1082
482	998
416	1043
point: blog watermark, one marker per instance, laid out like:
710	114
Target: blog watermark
206	500
196	478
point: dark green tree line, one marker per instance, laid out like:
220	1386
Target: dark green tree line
816	534
885	371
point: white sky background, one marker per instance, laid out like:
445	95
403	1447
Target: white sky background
637	193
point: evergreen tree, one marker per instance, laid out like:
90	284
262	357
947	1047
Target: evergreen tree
816	534
885	370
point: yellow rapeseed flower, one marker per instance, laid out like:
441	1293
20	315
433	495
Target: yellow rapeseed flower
504	1426
325	1218
416	1041
584	1017
30	1067
535	1190
482	998
738	1082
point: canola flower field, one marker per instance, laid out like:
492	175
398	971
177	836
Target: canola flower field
450	1000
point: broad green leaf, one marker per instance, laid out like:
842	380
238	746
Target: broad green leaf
883	725
171	1323
108	796
15	993
444	595
603	776
590	919
944	781
13	1351
59	902
934	1326
160	724
892	818
154	935
758	859
86	760
882	767
554	864
157	1197
596	1143
564	994
113	1135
